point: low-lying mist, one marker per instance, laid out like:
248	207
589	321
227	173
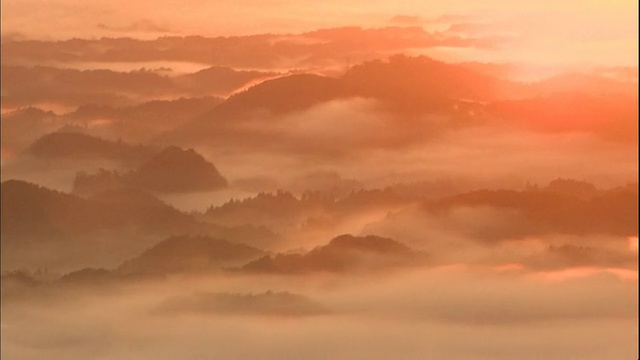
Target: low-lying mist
450	312
270	203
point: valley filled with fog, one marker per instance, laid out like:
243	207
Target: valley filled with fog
261	197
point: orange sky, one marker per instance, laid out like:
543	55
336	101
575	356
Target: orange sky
540	31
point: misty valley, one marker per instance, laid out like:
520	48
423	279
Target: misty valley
277	203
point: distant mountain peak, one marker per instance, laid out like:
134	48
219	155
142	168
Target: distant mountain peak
366	243
343	254
189	253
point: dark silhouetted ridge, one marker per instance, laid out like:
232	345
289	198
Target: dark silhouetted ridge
78	145
31	212
364	243
177	170
422	83
173	170
548	210
281	95
344	253
184	254
88	276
